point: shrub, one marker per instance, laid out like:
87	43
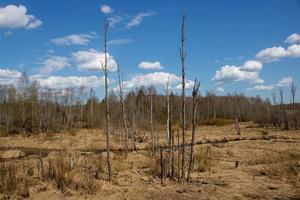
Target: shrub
218	122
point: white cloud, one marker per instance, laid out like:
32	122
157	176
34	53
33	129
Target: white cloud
293	38
8	76
188	85
136	20
106	9
252	66
285	82
14	17
150	65
262	87
231	73
220	89
119	41
60	82
54	63
155	79
271	54
114	20
73	39
7	73
275	53
91	60
294	50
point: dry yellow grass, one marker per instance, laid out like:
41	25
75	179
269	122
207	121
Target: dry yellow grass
267	169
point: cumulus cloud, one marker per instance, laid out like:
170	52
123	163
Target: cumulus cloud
275	53
294	50
13	17
150	65
262	87
119	41
220	89
271	54
252	66
91	60
156	79
61	82
8	76
231	73
106	9
285	82
73	39
54	63
293	38
188	85
137	19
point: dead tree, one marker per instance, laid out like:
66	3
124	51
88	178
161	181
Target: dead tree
172	141
121	88
195	95
178	155
168	114
237	125
105	71
169	125
274	116
282	106
293	95
151	121
182	58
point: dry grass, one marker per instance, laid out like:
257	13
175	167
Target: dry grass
80	176
218	122
275	163
203	159
13	181
289	169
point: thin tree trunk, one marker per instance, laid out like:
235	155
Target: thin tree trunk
286	122
105	70
172	143
293	94
182	56
195	99
237	126
169	128
178	155
151	123
123	112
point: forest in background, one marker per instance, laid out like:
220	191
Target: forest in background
29	109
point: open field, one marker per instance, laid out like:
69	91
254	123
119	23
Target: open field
267	168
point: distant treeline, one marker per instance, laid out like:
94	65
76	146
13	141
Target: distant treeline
29	109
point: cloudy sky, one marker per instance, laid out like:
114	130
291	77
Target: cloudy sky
243	46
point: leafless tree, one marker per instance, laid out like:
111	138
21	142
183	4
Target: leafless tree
183	124
105	71
195	95
293	95
283	109
121	89
151	120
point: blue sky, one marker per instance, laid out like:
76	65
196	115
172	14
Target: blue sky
243	46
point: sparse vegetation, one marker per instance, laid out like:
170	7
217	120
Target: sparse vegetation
60	143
